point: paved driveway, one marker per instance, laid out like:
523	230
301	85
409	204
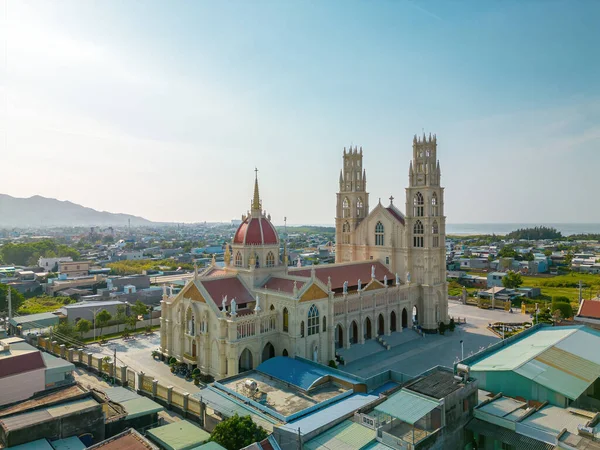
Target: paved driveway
136	353
418	355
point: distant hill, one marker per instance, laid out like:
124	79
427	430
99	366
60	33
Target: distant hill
40	211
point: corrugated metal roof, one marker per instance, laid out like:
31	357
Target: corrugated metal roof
347	435
180	435
141	406
502	406
584	343
40	444
507	436
310	423
209	446
71	407
407	406
523	350
120	394
43	319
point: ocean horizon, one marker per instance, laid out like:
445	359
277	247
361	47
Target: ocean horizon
465	229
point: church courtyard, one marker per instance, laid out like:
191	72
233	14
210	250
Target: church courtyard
414	353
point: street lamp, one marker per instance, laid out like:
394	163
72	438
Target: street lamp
462	350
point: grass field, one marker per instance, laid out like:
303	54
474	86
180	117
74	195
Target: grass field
561	285
43	304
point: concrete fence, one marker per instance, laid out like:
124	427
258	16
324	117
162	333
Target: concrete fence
166	395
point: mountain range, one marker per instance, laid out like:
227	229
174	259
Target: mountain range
37	211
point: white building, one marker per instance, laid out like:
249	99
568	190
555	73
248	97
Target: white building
49	264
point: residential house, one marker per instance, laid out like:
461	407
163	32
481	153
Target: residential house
494	279
51	264
74	269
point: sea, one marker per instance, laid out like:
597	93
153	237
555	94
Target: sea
566	229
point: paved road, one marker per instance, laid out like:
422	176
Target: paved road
418	355
137	354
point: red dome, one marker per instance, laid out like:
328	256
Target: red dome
254	231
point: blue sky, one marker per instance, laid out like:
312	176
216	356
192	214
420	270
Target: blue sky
163	109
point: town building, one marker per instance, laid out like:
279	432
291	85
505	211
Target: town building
74	269
389	275
51	264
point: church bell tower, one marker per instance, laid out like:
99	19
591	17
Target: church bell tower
426	231
352	203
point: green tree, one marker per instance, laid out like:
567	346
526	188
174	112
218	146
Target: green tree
17	298
237	432
507	252
120	316
64	333
548	252
102	319
138	309
512	280
83	326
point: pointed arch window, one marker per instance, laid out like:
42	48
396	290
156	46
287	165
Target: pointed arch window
379	234
434	205
435	230
346	208
324	324
302	329
286	318
346	233
313	320
359	207
419	205
270	262
238	259
418	237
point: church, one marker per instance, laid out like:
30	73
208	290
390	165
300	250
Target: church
389	275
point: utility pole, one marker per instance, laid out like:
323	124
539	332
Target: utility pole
115	365
580	296
9	302
462	350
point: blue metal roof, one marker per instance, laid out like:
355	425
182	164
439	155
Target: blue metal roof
298	373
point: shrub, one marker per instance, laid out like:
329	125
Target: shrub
332	364
442	328
451	325
196	372
172	361
565	308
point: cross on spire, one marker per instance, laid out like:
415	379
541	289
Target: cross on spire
256	205
391	199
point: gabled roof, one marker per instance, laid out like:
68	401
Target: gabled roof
396	213
346	272
282	284
407	406
590	309
231	287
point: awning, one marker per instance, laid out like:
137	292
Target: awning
407	407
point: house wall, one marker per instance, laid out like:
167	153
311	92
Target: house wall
21	386
512	384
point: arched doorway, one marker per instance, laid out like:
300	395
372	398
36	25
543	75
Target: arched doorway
368	333
393	321
339	336
353	332
245	361
268	352
380	325
316	354
404	318
415	313
285	353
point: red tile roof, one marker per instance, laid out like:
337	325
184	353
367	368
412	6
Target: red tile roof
21	363
281	284
394	212
590	308
231	287
255	231
346	272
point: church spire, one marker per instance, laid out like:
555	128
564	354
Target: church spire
256	205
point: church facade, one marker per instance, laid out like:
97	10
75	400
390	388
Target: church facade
389	273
